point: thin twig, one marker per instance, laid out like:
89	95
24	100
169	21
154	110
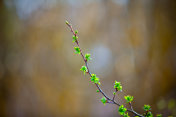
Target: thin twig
131	106
109	100
114	94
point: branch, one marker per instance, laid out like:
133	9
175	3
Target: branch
109	100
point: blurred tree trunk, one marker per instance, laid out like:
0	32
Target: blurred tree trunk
155	69
4	92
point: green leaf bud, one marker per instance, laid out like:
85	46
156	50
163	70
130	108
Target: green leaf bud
84	69
76	31
95	79
87	56
126	115
147	107
122	110
77	50
117	85
128	98
149	114
103	100
74	38
99	83
66	22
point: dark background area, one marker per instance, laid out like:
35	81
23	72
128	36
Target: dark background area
131	41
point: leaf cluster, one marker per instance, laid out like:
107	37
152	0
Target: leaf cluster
104	100
147	107
95	79
122	110
128	98
87	56
77	50
117	86
84	69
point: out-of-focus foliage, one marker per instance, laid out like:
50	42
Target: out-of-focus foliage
131	41
168	105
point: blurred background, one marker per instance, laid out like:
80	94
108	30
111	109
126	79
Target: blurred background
131	41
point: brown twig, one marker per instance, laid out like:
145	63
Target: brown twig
131	106
115	94
109	100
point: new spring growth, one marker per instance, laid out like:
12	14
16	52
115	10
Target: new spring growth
126	115
84	69
95	79
104	100
76	31
148	114
74	38
117	86
128	98
147	107
122	110
77	50
87	56
66	22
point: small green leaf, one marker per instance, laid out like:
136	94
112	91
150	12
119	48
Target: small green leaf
126	115
149	114
93	76
118	86
147	107
76	31
84	69
74	38
77	50
66	22
158	115
98	91
87	56
122	110
103	100
114	93
95	79
128	98
99	83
